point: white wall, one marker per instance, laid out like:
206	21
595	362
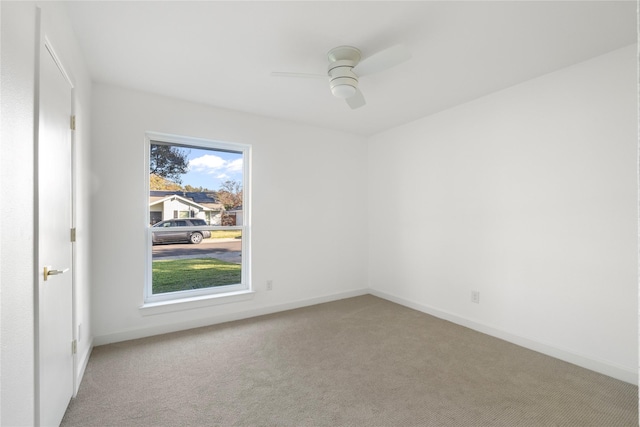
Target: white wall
303	180
16	255
528	196
17	186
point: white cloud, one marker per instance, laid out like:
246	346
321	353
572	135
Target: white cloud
214	165
235	166
207	163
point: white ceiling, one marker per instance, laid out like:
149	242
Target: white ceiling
222	53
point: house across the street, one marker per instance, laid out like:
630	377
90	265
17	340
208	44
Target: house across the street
184	204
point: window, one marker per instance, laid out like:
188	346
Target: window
198	229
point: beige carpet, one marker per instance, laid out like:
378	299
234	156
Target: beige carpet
357	362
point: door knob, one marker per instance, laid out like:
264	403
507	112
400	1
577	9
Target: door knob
48	271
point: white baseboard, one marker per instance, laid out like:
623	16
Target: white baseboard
207	321
622	373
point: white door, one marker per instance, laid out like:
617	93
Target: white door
55	330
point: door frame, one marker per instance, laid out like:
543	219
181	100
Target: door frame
43	45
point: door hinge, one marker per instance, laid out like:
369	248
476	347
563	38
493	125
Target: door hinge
73	234
73	123
74	346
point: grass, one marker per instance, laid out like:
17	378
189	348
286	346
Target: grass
193	273
226	234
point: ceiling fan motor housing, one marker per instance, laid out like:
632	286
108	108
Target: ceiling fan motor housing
343	81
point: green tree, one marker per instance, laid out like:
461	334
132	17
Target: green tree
199	189
168	162
157	182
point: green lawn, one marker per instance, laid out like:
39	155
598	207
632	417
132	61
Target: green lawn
226	234
193	273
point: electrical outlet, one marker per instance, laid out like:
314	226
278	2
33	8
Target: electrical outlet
269	285
475	297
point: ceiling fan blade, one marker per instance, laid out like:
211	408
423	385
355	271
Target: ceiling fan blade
357	100
302	75
383	60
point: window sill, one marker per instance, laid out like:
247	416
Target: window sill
152	308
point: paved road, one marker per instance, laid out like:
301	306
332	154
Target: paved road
224	249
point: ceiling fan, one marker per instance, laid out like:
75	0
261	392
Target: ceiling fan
346	66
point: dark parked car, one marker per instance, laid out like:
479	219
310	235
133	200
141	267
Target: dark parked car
178	236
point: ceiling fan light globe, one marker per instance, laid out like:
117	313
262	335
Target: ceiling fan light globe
343	91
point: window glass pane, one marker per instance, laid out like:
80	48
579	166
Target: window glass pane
216	261
191	187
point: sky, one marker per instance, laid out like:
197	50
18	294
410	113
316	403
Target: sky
209	168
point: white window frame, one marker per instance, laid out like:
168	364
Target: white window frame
234	290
